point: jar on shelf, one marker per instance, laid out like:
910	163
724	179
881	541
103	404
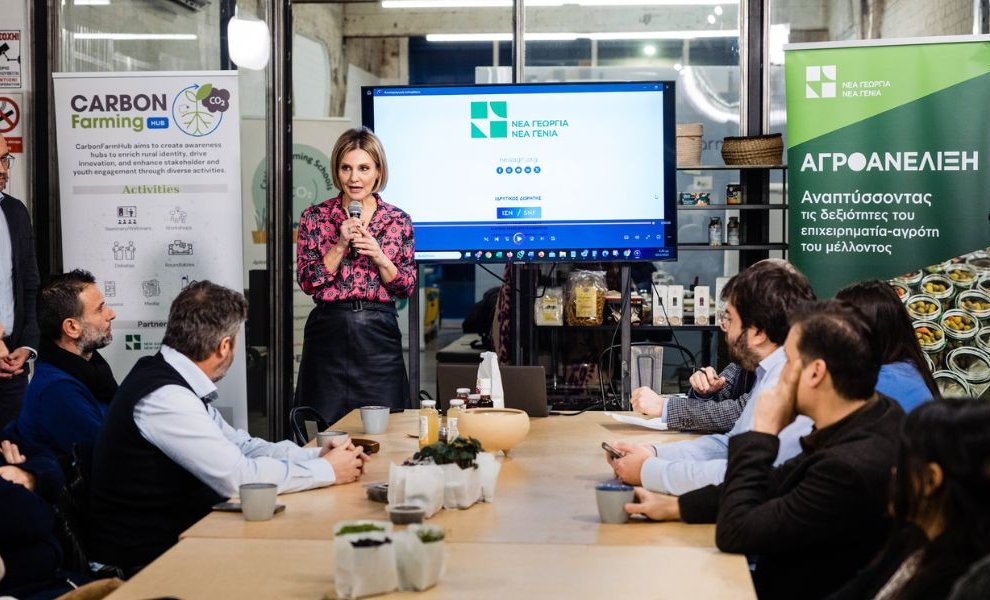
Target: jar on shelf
940	287
973	365
924	308
976	303
963	276
715	232
902	291
960	328
734	193
732	232
983	339
911	280
931	338
951	385
636	309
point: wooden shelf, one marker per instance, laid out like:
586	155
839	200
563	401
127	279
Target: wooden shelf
732	167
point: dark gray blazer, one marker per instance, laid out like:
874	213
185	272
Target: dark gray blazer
26	280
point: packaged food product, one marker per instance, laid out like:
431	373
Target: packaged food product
549	309
734	193
585	300
702	305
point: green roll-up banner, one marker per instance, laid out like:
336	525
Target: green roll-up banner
888	154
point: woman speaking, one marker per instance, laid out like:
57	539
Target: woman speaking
354	256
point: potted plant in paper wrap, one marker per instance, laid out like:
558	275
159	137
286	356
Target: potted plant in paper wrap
421	556
365	563
467	475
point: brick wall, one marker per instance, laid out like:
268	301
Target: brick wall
921	18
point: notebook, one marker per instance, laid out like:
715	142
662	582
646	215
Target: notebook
525	387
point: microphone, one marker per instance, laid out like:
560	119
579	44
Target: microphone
354	211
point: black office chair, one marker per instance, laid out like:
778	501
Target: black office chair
306	421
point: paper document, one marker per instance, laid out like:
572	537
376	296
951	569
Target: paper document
656	423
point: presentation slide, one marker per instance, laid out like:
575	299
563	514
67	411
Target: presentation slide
549	166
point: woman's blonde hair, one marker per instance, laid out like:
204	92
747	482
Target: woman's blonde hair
359	139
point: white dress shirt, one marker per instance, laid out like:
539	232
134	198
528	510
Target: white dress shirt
172	418
685	466
6	274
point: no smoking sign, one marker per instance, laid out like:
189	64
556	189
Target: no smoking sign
10	121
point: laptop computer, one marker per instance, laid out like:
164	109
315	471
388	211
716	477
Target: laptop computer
525	388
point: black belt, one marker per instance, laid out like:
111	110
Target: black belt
359	305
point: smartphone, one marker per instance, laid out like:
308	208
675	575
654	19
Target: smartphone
612	452
236	507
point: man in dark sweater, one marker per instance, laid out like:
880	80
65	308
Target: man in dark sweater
72	384
811	523
165	455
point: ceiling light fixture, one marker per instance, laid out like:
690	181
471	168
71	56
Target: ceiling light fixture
249	42
135	36
564	37
551	3
500	37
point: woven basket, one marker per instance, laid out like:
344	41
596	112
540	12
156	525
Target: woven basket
689	144
753	150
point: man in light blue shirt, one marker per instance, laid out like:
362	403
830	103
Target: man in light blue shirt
759	302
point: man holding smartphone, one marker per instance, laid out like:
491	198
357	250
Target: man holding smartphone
759	302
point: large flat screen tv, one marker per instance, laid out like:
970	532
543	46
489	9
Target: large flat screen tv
566	172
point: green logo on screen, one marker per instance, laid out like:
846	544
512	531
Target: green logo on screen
132	341
488	120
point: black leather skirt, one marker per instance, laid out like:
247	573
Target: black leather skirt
352	357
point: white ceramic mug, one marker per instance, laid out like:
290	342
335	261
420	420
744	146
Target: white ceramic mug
258	501
324	439
612	499
374	419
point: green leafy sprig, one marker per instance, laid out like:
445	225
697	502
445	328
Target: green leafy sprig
461	452
428	536
361	528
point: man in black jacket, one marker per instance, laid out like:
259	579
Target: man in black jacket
814	521
18	295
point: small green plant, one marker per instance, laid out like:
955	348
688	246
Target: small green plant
362	528
460	452
428	536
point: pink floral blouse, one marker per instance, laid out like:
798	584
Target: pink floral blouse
355	279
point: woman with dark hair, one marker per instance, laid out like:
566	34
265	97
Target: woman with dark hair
904	375
941	504
354	257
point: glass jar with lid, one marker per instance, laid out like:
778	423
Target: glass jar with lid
973	365
976	303
960	328
921	307
951	385
931	338
940	287
963	276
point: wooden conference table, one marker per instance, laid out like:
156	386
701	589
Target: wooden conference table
540	538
